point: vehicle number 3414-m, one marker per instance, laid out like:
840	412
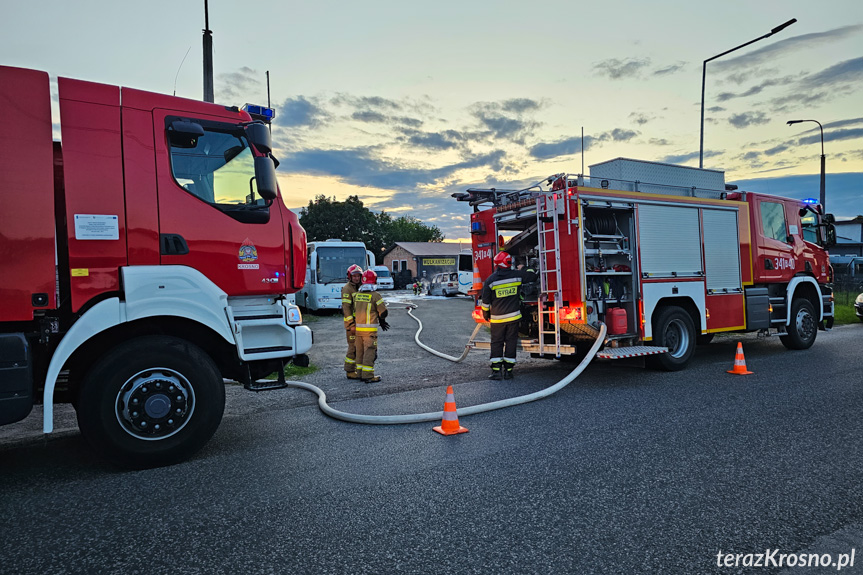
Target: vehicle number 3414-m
783	263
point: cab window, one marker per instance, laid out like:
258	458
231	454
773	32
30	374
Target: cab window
810	227
218	168
773	221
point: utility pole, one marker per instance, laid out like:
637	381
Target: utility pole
208	56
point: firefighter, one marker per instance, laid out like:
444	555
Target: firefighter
501	306
369	311
355	277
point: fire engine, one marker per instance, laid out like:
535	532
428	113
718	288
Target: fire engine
146	257
665	255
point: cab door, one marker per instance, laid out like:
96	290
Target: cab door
210	216
776	260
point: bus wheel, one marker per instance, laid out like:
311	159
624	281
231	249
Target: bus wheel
673	328
151	401
804	327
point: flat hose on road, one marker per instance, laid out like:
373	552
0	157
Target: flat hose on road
438	415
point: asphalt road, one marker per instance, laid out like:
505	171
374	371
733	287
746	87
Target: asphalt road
626	470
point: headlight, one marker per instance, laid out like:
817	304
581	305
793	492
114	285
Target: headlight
860	298
294	315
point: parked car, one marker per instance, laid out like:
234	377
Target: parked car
385	280
445	284
858	307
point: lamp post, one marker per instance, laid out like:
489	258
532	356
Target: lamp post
823	197
704	77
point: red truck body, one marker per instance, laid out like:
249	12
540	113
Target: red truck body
143	205
672	261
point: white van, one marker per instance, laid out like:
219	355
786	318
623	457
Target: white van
385	279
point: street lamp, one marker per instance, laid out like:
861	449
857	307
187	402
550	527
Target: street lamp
823	161
704	77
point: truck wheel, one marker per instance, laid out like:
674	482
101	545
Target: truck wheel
673	328
151	401
803	328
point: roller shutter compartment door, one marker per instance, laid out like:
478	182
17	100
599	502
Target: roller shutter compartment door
670	239
721	251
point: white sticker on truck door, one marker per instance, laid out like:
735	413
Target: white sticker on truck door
96	227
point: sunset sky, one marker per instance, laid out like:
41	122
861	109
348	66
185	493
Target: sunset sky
405	103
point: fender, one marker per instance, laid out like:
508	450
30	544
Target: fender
792	287
150	291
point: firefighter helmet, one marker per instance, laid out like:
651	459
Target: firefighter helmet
354	269
370	277
503	260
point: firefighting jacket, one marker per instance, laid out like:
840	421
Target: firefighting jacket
368	307
501	294
348	290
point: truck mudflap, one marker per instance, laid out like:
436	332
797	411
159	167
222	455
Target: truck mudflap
627	352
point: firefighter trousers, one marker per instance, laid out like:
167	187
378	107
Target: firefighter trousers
351	356
504	337
367	353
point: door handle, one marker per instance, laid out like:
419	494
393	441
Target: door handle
173	245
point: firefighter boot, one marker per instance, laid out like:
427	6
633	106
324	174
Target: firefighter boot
496	370
507	370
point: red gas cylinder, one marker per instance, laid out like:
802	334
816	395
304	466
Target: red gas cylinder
616	321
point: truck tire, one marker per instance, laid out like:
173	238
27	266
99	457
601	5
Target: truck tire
673	328
180	393
804	326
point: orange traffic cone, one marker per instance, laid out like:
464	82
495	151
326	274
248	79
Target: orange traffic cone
739	362
449	425
477	280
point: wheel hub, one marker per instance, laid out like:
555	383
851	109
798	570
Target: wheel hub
155	403
805	324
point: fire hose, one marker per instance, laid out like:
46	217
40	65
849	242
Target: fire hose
438	415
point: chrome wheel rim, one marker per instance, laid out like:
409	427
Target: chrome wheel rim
155	404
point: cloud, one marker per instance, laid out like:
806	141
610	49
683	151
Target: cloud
235	86
747	119
365	102
497	118
793	44
617	69
683	158
640	118
299	112
715	109
847	72
658	142
436	141
669	69
369	116
844	195
832	136
569	146
361	167
757	89
776	150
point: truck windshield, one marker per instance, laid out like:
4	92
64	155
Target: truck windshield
333	262
216	167
383	273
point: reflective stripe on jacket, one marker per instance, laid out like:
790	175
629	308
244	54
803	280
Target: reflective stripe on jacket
501	294
348	290
368	307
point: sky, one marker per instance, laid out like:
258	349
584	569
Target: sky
405	103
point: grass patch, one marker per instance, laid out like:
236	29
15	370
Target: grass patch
843	307
292	370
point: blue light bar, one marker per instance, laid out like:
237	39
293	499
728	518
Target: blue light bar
260	112
810	201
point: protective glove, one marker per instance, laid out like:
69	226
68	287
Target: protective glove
486	314
384	325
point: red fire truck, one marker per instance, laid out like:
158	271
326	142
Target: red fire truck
145	258
667	256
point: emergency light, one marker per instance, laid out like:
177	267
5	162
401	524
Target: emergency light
810	201
262	113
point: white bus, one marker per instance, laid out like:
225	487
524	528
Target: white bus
465	271
326	266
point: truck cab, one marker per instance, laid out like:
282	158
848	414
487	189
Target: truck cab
153	257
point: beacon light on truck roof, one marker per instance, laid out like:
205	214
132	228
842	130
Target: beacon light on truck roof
262	113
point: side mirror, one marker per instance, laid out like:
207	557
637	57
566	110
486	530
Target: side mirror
830	233
829	219
184	134
265	176
259	135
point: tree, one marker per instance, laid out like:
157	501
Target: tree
326	218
